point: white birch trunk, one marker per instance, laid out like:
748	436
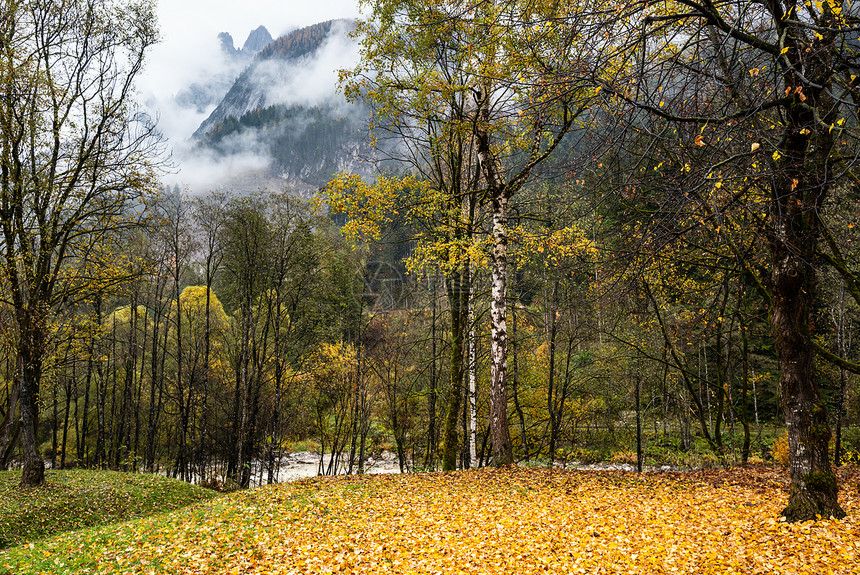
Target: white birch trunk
502	448
473	376
498	191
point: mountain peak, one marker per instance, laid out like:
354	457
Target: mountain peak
227	45
260	84
257	40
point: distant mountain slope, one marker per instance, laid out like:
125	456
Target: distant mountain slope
201	95
254	87
305	145
257	40
284	107
299	42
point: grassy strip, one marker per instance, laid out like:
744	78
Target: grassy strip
76	499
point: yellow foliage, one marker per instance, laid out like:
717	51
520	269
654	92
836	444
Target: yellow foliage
555	246
779	450
193	303
369	207
332	363
524	521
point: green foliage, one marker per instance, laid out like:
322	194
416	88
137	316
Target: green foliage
302	445
75	499
579	454
304	141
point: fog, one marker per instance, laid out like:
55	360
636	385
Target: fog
314	80
190	54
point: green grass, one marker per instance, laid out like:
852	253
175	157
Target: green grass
76	499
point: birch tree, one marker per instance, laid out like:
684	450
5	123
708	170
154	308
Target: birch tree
486	76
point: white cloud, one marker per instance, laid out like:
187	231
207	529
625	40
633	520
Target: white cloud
200	172
190	53
311	80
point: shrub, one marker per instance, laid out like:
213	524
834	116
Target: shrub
628	457
779	450
303	445
579	454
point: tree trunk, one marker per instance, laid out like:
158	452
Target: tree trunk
554	414
473	376
11	425
515	380
840	400
458	301
501	437
745	419
638	395
430	457
813	484
68	389
54	422
31	350
800	186
83	446
244	384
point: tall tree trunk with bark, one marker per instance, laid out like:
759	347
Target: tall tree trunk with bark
553	411
473	377
745	378
813	484
840	400
458	299
501	437
499	194
430	457
11	424
798	195
31	350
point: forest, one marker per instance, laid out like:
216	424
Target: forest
612	233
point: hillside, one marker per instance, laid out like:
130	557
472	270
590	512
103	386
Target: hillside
256	86
305	144
483	521
284	107
75	499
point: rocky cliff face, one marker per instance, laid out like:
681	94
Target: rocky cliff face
257	41
272	72
201	96
284	106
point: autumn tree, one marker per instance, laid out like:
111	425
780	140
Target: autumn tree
520	64
422	120
552	253
246	252
474	91
756	104
73	161
208	214
296	307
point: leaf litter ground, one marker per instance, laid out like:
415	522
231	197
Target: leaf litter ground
486	521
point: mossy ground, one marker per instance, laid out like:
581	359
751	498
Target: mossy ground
75	499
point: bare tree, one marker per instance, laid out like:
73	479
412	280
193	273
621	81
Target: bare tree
73	163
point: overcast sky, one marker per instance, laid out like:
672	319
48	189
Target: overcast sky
189	50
